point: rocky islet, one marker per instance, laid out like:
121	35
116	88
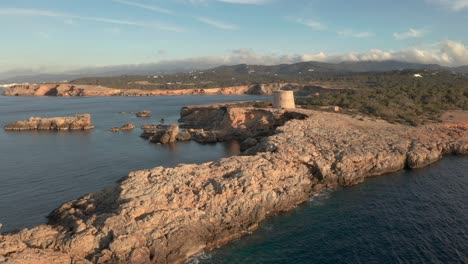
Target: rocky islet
68	123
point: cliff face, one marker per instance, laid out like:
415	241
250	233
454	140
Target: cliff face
223	122
77	122
59	90
93	90
166	215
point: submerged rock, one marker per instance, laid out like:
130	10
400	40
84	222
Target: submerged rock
77	122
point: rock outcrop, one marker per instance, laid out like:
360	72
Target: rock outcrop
126	127
166	215
77	122
67	89
145	113
162	134
214	123
59	90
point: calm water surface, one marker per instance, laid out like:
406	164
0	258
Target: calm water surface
416	216
41	170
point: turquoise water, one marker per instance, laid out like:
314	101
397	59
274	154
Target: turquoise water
41	170
416	216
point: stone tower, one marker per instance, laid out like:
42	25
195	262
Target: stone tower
284	99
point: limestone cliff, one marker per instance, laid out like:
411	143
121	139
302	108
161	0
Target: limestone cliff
65	89
166	215
224	122
59	90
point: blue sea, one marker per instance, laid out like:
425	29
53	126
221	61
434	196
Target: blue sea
418	216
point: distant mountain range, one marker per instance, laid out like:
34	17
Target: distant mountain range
345	67
282	69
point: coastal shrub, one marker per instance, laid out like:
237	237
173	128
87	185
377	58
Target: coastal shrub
411	104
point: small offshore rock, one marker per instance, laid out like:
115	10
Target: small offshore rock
147	127
144	113
126	127
162	134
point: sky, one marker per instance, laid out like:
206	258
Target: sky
61	35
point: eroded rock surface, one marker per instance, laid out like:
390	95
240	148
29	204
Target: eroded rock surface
77	122
220	122
166	215
69	89
161	134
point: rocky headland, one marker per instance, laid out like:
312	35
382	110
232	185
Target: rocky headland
77	122
167	215
65	89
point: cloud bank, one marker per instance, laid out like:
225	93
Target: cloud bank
446	53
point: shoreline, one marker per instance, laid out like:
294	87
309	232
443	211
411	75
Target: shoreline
170	214
65	89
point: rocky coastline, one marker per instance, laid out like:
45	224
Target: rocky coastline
67	123
66	89
167	215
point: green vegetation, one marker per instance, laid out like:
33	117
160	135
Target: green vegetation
398	96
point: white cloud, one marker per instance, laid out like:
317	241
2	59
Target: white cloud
311	23
217	24
455	52
411	33
354	34
455	5
144	6
448	53
70	17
